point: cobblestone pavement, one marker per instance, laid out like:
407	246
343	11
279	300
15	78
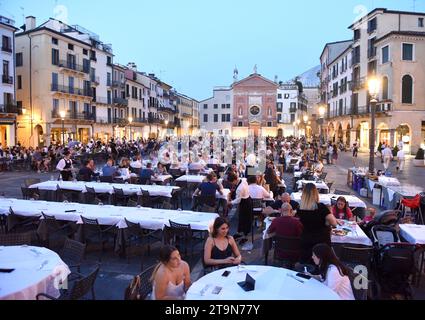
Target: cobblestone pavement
116	272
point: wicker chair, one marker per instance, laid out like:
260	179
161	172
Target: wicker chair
287	245
93	232
54	230
135	234
80	288
120	197
30	193
182	235
15	239
72	253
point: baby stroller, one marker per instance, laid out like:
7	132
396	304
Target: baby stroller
394	263
385	218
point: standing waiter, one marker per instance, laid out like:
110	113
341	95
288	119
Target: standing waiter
65	166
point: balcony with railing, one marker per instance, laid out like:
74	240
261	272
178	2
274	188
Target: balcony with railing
94	80
118	84
140	120
371	52
71	90
155	121
358	84
71	115
7	79
102	100
69	65
10	108
167	109
120	101
6	48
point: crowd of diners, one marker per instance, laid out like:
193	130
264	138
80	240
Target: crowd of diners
309	220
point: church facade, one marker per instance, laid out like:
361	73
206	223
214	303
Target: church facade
250	109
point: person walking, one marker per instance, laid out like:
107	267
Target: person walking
401	160
387	155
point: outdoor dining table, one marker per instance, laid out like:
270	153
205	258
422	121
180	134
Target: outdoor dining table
320	185
354	235
108	215
271	283
103	187
35	270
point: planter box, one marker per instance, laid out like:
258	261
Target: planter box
419	163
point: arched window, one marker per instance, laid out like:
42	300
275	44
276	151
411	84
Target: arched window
407	89
270	111
385	88
240	111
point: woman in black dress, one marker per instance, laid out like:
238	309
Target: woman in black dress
220	249
317	221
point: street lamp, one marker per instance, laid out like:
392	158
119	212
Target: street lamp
322	111
373	88
130	121
166	127
62	115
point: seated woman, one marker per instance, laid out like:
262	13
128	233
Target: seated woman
332	272
160	169
220	249
341	210
171	277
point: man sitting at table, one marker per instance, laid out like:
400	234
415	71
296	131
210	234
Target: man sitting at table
208	191
256	191
286	226
284	198
87	173
108	169
147	173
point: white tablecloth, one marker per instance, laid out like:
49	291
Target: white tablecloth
388	181
270	284
102	187
353	201
298	174
161	178
29	277
191	179
413	233
319	185
149	218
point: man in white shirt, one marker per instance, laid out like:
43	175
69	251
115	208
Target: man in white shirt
387	155
256	191
401	160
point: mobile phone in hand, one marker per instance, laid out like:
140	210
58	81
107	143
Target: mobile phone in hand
302	275
225	274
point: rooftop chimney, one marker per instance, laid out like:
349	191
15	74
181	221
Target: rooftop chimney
29	23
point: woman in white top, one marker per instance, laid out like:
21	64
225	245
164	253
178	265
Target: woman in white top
332	272
171	277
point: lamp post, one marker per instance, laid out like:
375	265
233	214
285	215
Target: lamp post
373	88
166	127
305	118
322	111
298	127
62	115
130	121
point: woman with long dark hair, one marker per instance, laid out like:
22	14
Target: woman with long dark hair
332	272
220	248
171	277
341	210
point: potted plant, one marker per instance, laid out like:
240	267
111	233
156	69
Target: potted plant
419	159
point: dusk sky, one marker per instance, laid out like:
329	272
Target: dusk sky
194	45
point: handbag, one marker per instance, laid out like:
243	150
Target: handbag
132	291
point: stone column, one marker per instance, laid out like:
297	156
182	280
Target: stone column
393	143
